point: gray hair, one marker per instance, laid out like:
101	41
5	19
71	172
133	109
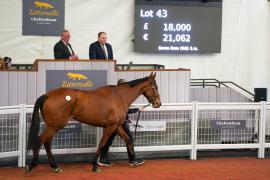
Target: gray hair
121	81
61	33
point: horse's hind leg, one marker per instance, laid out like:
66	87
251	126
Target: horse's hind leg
35	157
53	164
46	138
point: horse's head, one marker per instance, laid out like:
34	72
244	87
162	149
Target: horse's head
151	91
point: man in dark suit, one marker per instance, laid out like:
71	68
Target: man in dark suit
62	49
101	49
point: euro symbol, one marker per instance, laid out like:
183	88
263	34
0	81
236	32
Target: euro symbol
145	37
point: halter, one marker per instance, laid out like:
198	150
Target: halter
151	100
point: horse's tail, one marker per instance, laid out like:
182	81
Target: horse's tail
33	140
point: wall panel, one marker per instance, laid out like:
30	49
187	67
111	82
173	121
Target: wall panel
19	87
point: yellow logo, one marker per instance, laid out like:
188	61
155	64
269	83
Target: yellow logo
44	5
77	81
76	76
43	9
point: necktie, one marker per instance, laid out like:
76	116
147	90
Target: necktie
70	49
105	52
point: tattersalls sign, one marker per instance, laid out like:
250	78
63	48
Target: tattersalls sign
43	17
76	79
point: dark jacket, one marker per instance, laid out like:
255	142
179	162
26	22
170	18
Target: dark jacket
96	51
130	111
61	50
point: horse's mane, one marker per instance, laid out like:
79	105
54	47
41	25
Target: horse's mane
135	82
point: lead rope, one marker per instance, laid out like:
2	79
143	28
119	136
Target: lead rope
138	117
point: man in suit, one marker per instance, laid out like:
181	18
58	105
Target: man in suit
101	49
62	49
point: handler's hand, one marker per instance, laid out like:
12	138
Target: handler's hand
141	108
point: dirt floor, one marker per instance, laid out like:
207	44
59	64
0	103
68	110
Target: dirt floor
238	168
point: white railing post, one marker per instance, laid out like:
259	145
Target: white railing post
21	139
261	150
25	136
194	130
99	136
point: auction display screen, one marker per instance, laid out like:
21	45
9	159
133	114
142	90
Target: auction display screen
178	28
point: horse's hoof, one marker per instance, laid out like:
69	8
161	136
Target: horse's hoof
27	169
136	163
57	170
96	169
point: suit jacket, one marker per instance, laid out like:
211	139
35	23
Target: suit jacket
96	51
61	50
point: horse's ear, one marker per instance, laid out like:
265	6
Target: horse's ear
152	75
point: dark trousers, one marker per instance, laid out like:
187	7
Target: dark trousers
105	150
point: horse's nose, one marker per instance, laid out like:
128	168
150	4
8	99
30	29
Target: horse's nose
157	104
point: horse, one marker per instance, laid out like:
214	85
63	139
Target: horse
2	64
104	107
5	62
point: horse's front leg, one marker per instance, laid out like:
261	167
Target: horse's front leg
107	132
129	142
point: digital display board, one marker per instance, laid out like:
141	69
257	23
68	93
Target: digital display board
178	26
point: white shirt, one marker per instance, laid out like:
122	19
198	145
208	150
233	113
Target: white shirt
105	50
69	49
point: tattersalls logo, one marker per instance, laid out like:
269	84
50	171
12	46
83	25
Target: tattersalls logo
43	17
43	5
76	80
76	76
43	12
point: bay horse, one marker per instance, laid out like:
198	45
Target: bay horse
104	107
2	64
